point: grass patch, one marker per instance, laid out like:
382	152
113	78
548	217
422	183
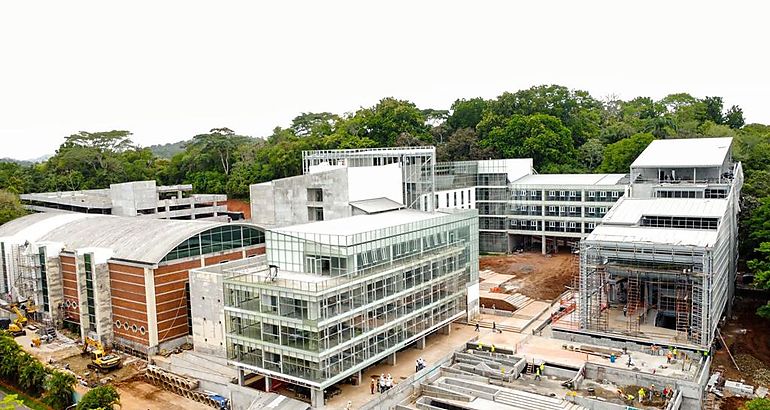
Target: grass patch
24	398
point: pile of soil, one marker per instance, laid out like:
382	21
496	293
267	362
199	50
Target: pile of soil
537	276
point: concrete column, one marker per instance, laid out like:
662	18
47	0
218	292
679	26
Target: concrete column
192	210
360	378
55	288
446	330
420	343
215	208
268	384
391	359
241	377
152	318
542	240
317	398
103	303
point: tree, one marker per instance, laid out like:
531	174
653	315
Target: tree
462	145
59	389
540	137
757	404
384	122
591	153
619	156
31	375
218	146
661	127
710	109
467	113
10	207
318	124
734	117
99	397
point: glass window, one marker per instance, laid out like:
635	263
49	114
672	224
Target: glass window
215	240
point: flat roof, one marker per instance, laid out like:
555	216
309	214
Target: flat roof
629	210
92	198
642	234
361	223
376	205
571	179
688	152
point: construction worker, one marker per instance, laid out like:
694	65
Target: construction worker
641	394
492	349
477	326
676	353
630	398
668	357
537	373
371	385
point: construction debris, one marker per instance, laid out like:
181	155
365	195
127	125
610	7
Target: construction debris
183	386
739	389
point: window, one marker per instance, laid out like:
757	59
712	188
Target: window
435	204
603	194
533	223
591	225
533	193
455	198
551	224
89	273
603	210
315	195
591	210
573	209
215	240
615	194
573	194
43	278
551	208
315	213
514	222
552	193
572	225
522	193
462	197
591	194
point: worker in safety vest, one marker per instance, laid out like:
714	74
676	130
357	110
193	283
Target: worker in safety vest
641	394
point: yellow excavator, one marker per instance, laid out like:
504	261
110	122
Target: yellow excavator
21	318
13	327
100	361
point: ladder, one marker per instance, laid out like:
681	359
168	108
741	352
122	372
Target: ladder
697	304
683	307
632	304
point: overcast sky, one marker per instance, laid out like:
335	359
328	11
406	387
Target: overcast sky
167	70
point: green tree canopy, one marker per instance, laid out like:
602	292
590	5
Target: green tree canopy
619	156
99	397
59	388
10	207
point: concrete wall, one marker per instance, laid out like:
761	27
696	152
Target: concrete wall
129	197
207	306
262	204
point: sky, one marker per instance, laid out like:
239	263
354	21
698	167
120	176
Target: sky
168	70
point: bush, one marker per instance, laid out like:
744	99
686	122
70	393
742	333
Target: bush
59	389
102	397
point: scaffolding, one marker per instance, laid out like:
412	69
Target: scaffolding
26	283
664	291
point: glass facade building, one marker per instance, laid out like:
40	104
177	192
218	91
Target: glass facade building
339	296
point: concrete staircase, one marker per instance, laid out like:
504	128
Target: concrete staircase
524	400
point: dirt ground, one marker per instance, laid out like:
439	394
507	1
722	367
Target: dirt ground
732	403
239	205
748	338
536	275
137	394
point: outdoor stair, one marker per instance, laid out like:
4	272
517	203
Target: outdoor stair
525	400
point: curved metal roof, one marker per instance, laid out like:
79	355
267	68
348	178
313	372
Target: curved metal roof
130	238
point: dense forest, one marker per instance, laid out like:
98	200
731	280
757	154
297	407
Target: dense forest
563	130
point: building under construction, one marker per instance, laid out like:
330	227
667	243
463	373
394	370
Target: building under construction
661	266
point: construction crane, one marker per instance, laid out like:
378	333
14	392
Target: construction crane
100	361
21	318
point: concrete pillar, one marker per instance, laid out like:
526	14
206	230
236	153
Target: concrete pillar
391	359
542	241
446	330
241	377
420	343
317	398
360	378
192	210
268	384
152	317
215	208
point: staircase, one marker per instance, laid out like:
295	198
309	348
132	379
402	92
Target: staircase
530	401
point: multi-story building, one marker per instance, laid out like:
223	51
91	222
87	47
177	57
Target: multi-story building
661	266
327	192
519	209
138	198
335	297
121	280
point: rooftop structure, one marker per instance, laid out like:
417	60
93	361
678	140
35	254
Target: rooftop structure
685	153
139	198
417	167
121	280
335	297
330	192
